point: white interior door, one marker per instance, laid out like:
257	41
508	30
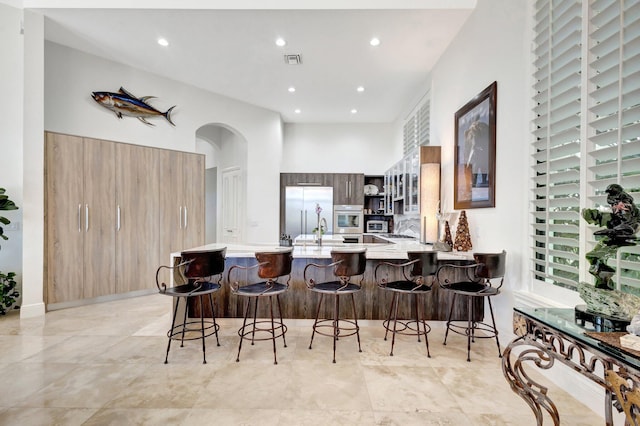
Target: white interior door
231	205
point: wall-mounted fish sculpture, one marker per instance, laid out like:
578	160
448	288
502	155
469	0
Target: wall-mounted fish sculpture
124	103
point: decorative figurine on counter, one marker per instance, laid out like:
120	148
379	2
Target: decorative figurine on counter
463	238
620	227
443	244
447	234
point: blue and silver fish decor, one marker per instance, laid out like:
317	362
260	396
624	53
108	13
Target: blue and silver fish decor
124	103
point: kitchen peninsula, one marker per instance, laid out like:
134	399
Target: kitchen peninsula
298	301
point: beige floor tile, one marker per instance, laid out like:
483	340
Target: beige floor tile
307	417
399	388
45	416
137	416
322	385
24	379
226	416
86	386
421	418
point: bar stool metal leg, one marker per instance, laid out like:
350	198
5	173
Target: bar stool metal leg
255	315
470	328
273	330
170	333
284	339
204	348
213	313
336	327
355	320
184	321
395	323
420	317
315	323
386	329
493	321
244	324
446	333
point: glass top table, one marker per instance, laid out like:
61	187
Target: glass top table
547	336
564	321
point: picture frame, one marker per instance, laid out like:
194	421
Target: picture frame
475	151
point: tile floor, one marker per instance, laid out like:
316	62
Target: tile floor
103	365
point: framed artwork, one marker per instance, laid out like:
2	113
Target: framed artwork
475	152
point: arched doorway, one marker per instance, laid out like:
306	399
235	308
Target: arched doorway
225	151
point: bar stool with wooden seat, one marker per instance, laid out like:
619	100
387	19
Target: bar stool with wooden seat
272	265
197	270
476	282
418	275
346	264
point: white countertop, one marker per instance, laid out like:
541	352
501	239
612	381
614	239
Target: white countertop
397	250
309	239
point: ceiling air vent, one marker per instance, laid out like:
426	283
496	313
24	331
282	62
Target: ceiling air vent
293	59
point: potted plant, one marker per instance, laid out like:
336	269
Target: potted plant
8	284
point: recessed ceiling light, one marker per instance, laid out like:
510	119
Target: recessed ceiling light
163	42
374	41
354	111
297	111
360	89
291	89
280	42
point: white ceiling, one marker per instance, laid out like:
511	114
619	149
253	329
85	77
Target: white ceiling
232	51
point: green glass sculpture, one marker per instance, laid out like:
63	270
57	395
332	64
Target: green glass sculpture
620	227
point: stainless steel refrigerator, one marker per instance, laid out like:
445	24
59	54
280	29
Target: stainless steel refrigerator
300	209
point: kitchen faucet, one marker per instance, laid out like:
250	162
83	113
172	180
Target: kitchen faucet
319	230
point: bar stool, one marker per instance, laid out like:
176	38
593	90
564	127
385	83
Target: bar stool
271	266
197	269
346	264
476	282
418	275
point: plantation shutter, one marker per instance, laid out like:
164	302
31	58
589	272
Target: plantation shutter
416	127
556	181
614	115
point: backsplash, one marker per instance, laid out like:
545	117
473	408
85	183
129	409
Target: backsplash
406	225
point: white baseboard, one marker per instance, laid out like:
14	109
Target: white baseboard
32	310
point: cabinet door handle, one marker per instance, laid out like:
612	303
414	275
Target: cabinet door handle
79	217
180	218
86	217
118	217
302	225
186	217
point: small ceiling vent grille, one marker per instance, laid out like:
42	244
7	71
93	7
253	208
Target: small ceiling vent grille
292	59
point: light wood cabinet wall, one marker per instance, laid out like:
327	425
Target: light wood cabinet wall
181	204
106	224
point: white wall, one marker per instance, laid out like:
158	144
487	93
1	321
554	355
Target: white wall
71	76
11	134
490	47
340	148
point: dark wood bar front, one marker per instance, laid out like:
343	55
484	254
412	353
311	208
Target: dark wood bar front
372	303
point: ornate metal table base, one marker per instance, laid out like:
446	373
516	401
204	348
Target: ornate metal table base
547	336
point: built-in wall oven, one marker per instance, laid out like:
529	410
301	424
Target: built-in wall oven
348	219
